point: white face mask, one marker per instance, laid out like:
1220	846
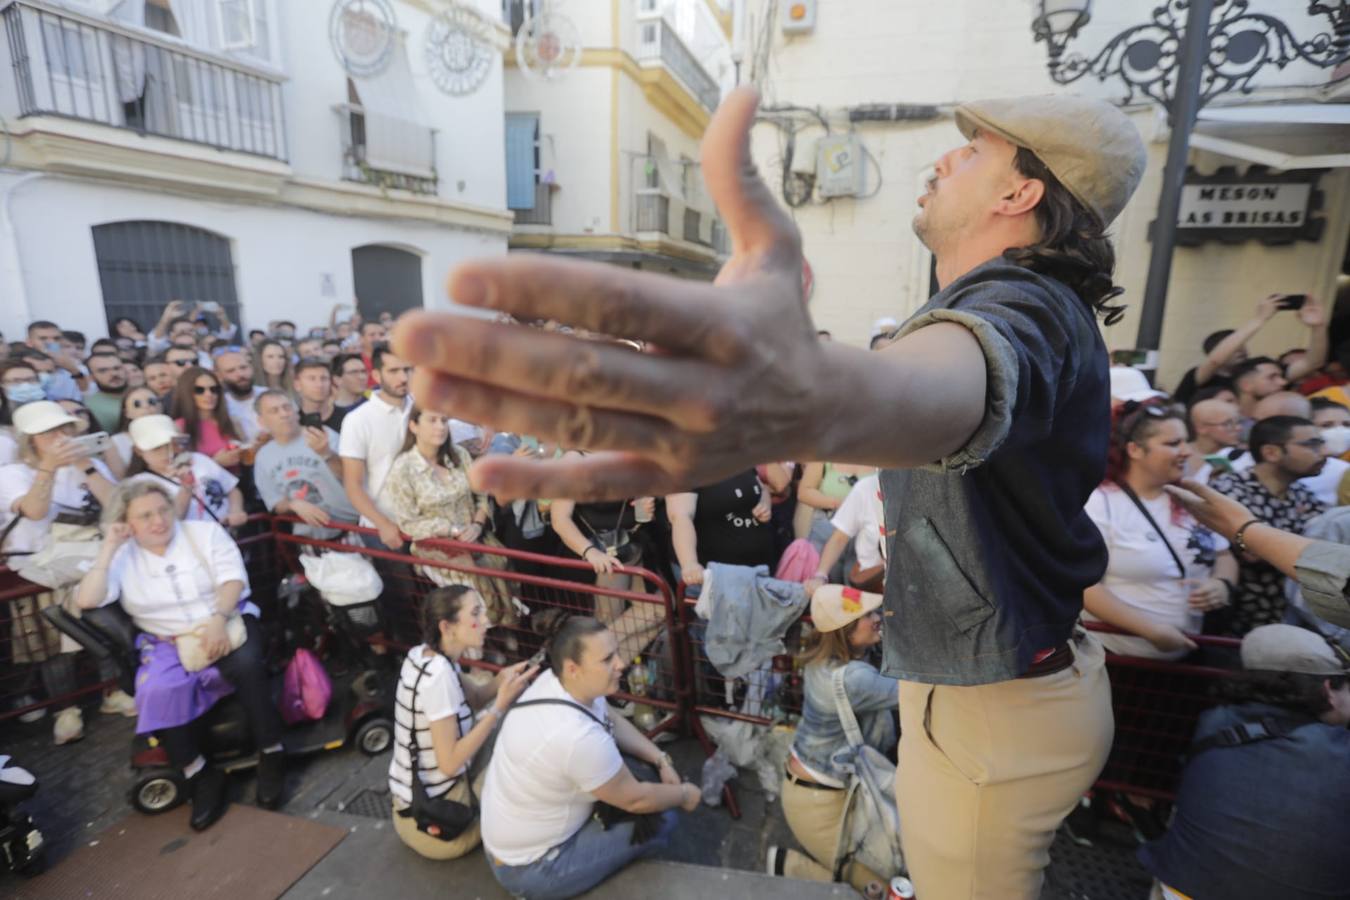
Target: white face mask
1337	438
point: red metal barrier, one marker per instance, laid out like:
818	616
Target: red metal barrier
644	620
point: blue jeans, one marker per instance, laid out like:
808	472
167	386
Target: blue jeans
580	862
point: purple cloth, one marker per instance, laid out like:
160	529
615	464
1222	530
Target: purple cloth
167	695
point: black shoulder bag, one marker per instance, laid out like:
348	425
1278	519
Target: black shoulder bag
450	817
645	825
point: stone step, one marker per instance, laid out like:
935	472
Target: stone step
684	881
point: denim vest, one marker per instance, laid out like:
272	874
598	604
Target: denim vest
1266	819
820	735
989	550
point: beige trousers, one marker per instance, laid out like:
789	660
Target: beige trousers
988	772
435	848
814	815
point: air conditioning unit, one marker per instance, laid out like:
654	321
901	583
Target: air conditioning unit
839	165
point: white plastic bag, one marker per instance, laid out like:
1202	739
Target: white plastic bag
343	579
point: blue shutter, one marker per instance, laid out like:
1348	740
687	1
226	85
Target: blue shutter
520	156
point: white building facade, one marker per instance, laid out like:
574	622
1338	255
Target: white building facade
277	157
879	78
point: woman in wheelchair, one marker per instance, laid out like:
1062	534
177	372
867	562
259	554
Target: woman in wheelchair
434	712
185	588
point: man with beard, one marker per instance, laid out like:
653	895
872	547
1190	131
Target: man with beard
235	370
104	400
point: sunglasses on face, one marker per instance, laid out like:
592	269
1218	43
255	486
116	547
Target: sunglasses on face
180	363
200	389
149	401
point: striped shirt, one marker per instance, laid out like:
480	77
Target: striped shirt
439	696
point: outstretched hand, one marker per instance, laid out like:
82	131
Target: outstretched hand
734	375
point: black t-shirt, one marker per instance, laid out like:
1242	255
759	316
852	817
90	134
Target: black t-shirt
1187	389
725	523
334	421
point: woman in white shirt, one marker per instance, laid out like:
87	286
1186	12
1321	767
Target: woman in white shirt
1165	570
436	704
176	579
202	488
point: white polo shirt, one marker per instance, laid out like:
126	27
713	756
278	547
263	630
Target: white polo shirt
244	415
374	432
173	594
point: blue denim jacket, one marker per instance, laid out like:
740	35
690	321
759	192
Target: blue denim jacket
989	550
1266	819
820	735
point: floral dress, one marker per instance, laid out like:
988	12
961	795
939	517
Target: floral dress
428	502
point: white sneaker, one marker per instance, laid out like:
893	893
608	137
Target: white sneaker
33	715
118	703
69	725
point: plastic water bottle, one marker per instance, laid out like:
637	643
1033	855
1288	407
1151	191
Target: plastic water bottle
639	685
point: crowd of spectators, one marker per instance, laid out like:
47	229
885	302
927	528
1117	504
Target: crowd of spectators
202	429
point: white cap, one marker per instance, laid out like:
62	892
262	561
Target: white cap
1128	383
149	432
40	416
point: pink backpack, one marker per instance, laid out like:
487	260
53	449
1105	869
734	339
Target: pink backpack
306	690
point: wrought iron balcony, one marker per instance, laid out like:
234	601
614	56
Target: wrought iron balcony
542	214
658	41
81	67
387	152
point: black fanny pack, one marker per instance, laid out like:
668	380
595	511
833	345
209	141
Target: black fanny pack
436	817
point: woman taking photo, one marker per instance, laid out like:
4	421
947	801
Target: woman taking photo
429	497
1164	570
436	706
201	489
847	624
177	579
273	366
199	412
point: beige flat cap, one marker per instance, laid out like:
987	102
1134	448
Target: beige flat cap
1091	146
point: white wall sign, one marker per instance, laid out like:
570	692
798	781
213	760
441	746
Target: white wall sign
1244	205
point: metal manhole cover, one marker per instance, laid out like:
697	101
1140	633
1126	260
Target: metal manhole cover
373	803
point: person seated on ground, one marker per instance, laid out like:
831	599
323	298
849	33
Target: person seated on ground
860	519
187	578
137	403
605	536
199	410
54	490
429	496
202	490
815	791
298	472
821	491
1164	570
439	704
554	759
1260	809
726	522
1217	426
1287	449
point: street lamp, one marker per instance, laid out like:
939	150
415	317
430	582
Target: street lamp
1188	53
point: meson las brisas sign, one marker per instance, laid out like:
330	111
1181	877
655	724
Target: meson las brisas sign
1258	205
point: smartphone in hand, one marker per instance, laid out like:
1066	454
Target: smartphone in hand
1292	301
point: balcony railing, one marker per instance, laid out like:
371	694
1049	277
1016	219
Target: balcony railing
542	214
658	41
77	66
387	152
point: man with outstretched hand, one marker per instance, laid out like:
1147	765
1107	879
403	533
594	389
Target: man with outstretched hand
987	415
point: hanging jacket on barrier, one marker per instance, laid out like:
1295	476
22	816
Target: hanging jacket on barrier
748	612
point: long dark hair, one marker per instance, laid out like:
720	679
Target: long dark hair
444	604
1073	248
445	453
185	408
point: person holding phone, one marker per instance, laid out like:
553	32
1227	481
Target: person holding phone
202	489
314	389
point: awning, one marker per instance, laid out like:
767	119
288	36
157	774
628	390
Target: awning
1284	136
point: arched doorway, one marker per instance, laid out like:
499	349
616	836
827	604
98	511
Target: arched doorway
386	279
142	265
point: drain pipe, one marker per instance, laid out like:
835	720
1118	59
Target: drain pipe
13	284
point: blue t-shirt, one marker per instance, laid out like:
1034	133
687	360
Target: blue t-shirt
1264	819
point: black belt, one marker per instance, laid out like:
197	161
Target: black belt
1059	660
813	785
